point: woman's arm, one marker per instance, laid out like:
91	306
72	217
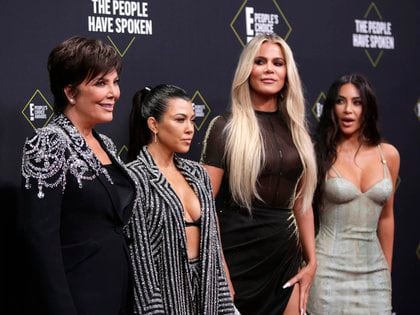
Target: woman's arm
212	156
386	220
306	230
42	185
216	176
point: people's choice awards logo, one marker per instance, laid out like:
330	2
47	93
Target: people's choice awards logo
201	109
318	106
120	17
259	17
37	110
373	34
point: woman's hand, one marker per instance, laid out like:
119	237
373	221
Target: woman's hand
304	277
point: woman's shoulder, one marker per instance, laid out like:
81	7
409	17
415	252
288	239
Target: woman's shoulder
44	158
390	151
110	145
137	166
215	129
48	139
48	131
220	121
194	168
391	154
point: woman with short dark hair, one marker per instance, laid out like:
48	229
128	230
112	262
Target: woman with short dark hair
77	192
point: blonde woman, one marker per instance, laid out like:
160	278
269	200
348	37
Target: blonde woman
261	163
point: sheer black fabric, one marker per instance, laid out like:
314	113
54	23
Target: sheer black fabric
277	181
260	246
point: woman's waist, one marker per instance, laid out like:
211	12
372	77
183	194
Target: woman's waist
242	226
257	210
347	233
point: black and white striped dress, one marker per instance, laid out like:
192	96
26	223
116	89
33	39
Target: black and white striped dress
165	282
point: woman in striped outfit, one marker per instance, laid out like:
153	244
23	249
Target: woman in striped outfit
175	248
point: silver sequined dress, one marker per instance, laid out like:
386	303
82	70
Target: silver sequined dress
352	275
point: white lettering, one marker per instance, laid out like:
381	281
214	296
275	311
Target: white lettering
133	26
249	21
100	24
266	18
129	8
101	6
361	26
263	28
199	110
31	111
382	42
378	27
361	40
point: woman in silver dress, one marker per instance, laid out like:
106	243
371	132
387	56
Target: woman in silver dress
355	195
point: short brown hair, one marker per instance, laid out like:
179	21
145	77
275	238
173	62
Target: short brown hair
78	59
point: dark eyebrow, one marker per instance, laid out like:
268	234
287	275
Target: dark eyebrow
353	98
184	115
265	58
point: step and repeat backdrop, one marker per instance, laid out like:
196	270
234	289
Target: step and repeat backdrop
196	44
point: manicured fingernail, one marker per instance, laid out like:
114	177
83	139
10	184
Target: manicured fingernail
286	285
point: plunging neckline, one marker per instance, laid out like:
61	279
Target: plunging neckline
356	187
359	189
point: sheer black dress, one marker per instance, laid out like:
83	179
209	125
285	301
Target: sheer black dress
261	247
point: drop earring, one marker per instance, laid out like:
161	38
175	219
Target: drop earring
155	137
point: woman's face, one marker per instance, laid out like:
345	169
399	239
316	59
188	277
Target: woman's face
93	102
348	110
269	71
175	129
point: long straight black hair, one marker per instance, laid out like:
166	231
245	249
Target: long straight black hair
328	132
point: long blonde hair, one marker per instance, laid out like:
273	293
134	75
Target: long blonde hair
244	144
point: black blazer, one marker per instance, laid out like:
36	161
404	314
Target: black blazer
73	226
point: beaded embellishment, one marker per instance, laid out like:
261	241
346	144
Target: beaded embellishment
59	149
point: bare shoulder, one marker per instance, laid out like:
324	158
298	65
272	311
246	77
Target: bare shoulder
391	153
392	156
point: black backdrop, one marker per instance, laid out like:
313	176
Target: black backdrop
195	44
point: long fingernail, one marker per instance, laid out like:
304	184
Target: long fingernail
286	285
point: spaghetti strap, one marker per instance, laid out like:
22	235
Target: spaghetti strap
383	161
336	171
